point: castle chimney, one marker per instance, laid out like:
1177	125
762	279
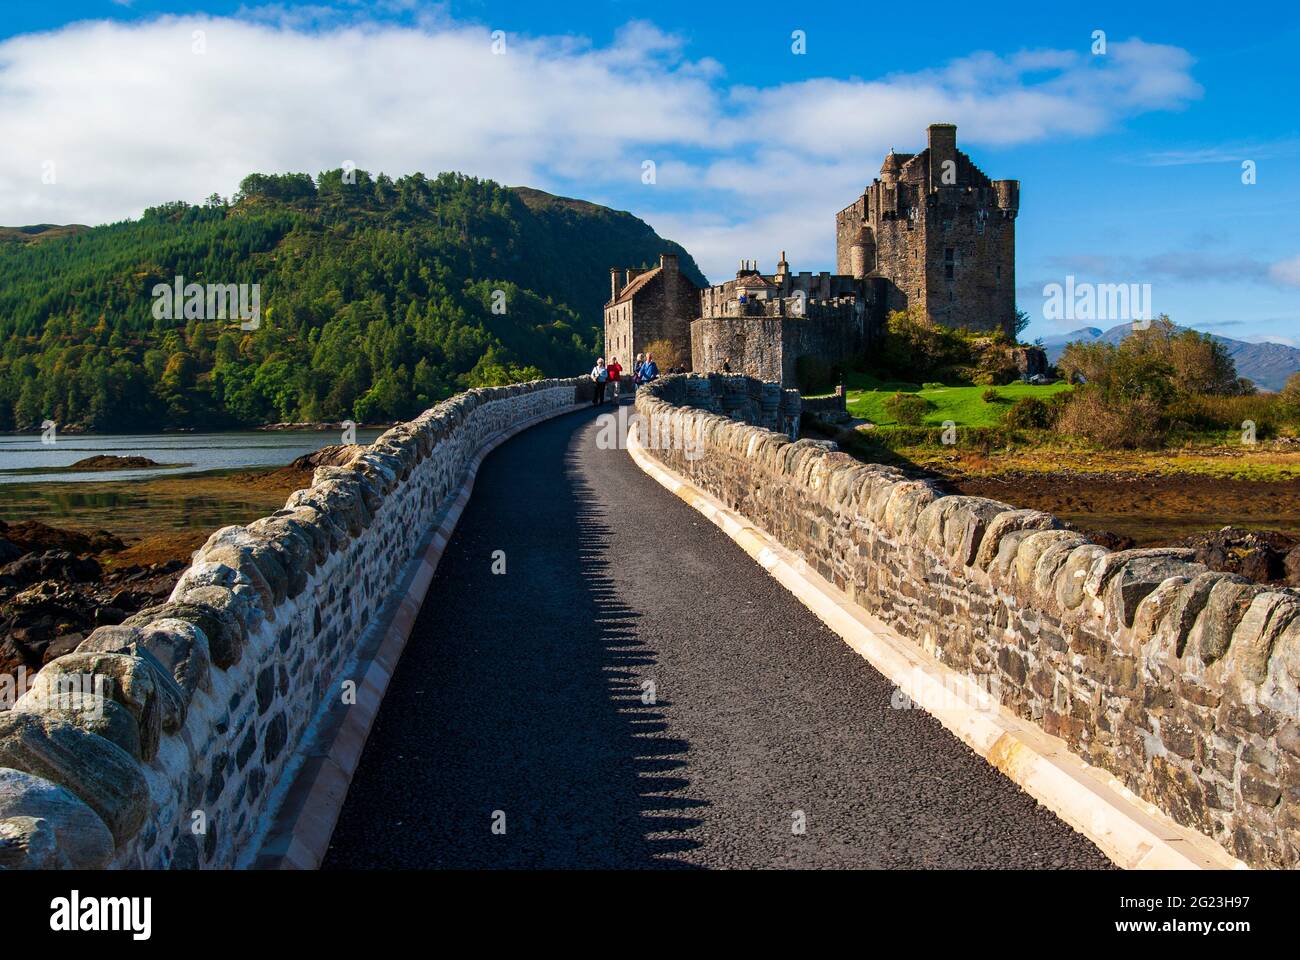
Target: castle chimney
941	138
614	286
668	262
627	277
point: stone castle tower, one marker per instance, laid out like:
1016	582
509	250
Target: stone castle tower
940	235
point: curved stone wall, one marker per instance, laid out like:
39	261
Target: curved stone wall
169	741
1180	681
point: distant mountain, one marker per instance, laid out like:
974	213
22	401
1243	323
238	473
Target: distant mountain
1267	364
378	297
40	231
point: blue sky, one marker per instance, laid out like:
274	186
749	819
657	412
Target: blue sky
1130	162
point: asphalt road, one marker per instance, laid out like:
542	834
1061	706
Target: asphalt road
515	732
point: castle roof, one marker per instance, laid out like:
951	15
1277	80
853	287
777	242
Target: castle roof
638	284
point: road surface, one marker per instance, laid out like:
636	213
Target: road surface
517	733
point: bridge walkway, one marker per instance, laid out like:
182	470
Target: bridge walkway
519	704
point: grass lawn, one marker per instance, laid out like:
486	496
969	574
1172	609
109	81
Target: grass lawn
964	406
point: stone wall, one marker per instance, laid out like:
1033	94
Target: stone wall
770	347
832	408
169	741
741	398
1181	682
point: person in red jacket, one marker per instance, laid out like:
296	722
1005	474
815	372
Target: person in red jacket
615	371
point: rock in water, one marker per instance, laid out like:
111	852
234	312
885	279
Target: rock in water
104	461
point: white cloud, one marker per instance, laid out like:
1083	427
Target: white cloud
127	115
1286	273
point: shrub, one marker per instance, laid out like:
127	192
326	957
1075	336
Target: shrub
991	396
1208	413
961	375
667	354
995	367
915	347
1288	400
1154	381
1118	422
933	385
1030	413
907	408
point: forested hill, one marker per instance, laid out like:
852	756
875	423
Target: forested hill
377	300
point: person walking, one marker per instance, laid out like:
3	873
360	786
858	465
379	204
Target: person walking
637	364
599	376
615	375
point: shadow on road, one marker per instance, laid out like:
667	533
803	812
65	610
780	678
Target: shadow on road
519	703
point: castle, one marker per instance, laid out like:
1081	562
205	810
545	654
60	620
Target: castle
932	232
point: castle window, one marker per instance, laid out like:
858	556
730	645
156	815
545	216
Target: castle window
999	271
947	225
948	271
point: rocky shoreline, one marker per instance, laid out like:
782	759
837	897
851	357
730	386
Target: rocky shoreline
54	590
57	585
321	426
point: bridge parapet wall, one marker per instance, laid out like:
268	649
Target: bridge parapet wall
1179	681
169	741
737	397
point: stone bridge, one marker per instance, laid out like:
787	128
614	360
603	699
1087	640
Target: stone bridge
691	644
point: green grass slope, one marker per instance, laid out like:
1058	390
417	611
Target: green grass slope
964	405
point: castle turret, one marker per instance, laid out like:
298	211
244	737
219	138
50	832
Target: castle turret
889	170
862	253
1008	192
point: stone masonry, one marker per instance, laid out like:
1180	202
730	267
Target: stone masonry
1181	682
939	233
762	325
646	306
168	741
